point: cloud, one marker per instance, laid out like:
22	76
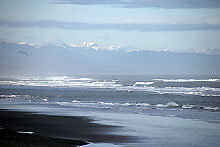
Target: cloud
108	26
168	4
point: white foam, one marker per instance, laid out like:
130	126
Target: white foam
65	78
188	106
159	105
172	104
15	96
128	104
76	101
143	83
107	103
8	96
64	82
211	108
202	91
99	104
22	132
171	115
45	100
218	95
111	105
83	79
188	80
71	82
143	104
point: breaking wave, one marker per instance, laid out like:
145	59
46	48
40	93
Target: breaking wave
116	85
112	105
188	80
144	83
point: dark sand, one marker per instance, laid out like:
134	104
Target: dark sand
69	127
13	139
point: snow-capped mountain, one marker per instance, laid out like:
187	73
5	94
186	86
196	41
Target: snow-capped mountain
210	51
87	59
91	45
40	44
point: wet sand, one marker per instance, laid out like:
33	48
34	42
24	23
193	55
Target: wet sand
13	139
68	127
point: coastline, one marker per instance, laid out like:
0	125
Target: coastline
63	129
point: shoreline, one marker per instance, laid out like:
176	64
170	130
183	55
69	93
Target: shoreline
75	128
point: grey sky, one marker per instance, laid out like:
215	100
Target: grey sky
122	26
181	25
168	4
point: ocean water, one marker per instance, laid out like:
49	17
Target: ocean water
160	110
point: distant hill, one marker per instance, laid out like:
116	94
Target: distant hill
89	58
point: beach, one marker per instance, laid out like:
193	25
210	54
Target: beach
13	139
75	130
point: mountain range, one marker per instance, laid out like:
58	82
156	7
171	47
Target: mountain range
89	59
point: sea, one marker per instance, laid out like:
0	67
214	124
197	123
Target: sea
161	110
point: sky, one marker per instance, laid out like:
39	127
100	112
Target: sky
180	25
